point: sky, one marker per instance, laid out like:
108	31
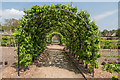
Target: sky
105	14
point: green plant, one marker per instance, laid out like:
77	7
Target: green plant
110	44
111	67
115	78
118	44
77	37
7	40
109	55
4	40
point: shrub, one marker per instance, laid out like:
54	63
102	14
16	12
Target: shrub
110	44
4	41
111	67
7	41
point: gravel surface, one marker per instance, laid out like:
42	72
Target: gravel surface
108	52
50	64
8	56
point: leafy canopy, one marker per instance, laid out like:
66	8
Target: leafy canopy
78	38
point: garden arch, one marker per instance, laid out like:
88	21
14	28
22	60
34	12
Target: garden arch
35	32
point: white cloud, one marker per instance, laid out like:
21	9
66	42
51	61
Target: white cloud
12	13
105	14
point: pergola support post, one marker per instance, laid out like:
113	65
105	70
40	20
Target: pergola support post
18	58
93	56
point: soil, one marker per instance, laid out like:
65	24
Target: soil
53	63
8	56
50	64
108	52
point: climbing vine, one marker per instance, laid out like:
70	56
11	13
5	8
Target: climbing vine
77	36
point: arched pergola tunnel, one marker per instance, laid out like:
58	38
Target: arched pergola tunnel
81	35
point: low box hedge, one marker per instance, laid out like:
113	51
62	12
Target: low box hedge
110	44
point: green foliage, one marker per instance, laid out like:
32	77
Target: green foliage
7	40
111	67
110	55
118	33
115	78
76	36
110	44
10	25
105	31
4	41
118	44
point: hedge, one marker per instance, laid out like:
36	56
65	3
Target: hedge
110	44
7	41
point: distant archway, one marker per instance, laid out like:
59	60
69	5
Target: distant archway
51	35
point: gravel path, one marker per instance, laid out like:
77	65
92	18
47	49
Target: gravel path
51	64
8	56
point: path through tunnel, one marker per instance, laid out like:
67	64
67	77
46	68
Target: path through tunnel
81	35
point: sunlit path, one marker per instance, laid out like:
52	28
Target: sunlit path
51	64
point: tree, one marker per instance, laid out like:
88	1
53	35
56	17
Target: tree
104	32
1	30
113	31
10	25
118	32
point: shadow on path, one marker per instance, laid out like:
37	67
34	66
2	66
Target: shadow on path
57	58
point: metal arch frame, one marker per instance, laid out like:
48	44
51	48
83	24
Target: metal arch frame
55	10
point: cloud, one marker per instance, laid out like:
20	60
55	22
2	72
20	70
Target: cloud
105	14
11	13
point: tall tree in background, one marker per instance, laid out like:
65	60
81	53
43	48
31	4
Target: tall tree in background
1	30
104	32
10	25
0	26
113	31
118	32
